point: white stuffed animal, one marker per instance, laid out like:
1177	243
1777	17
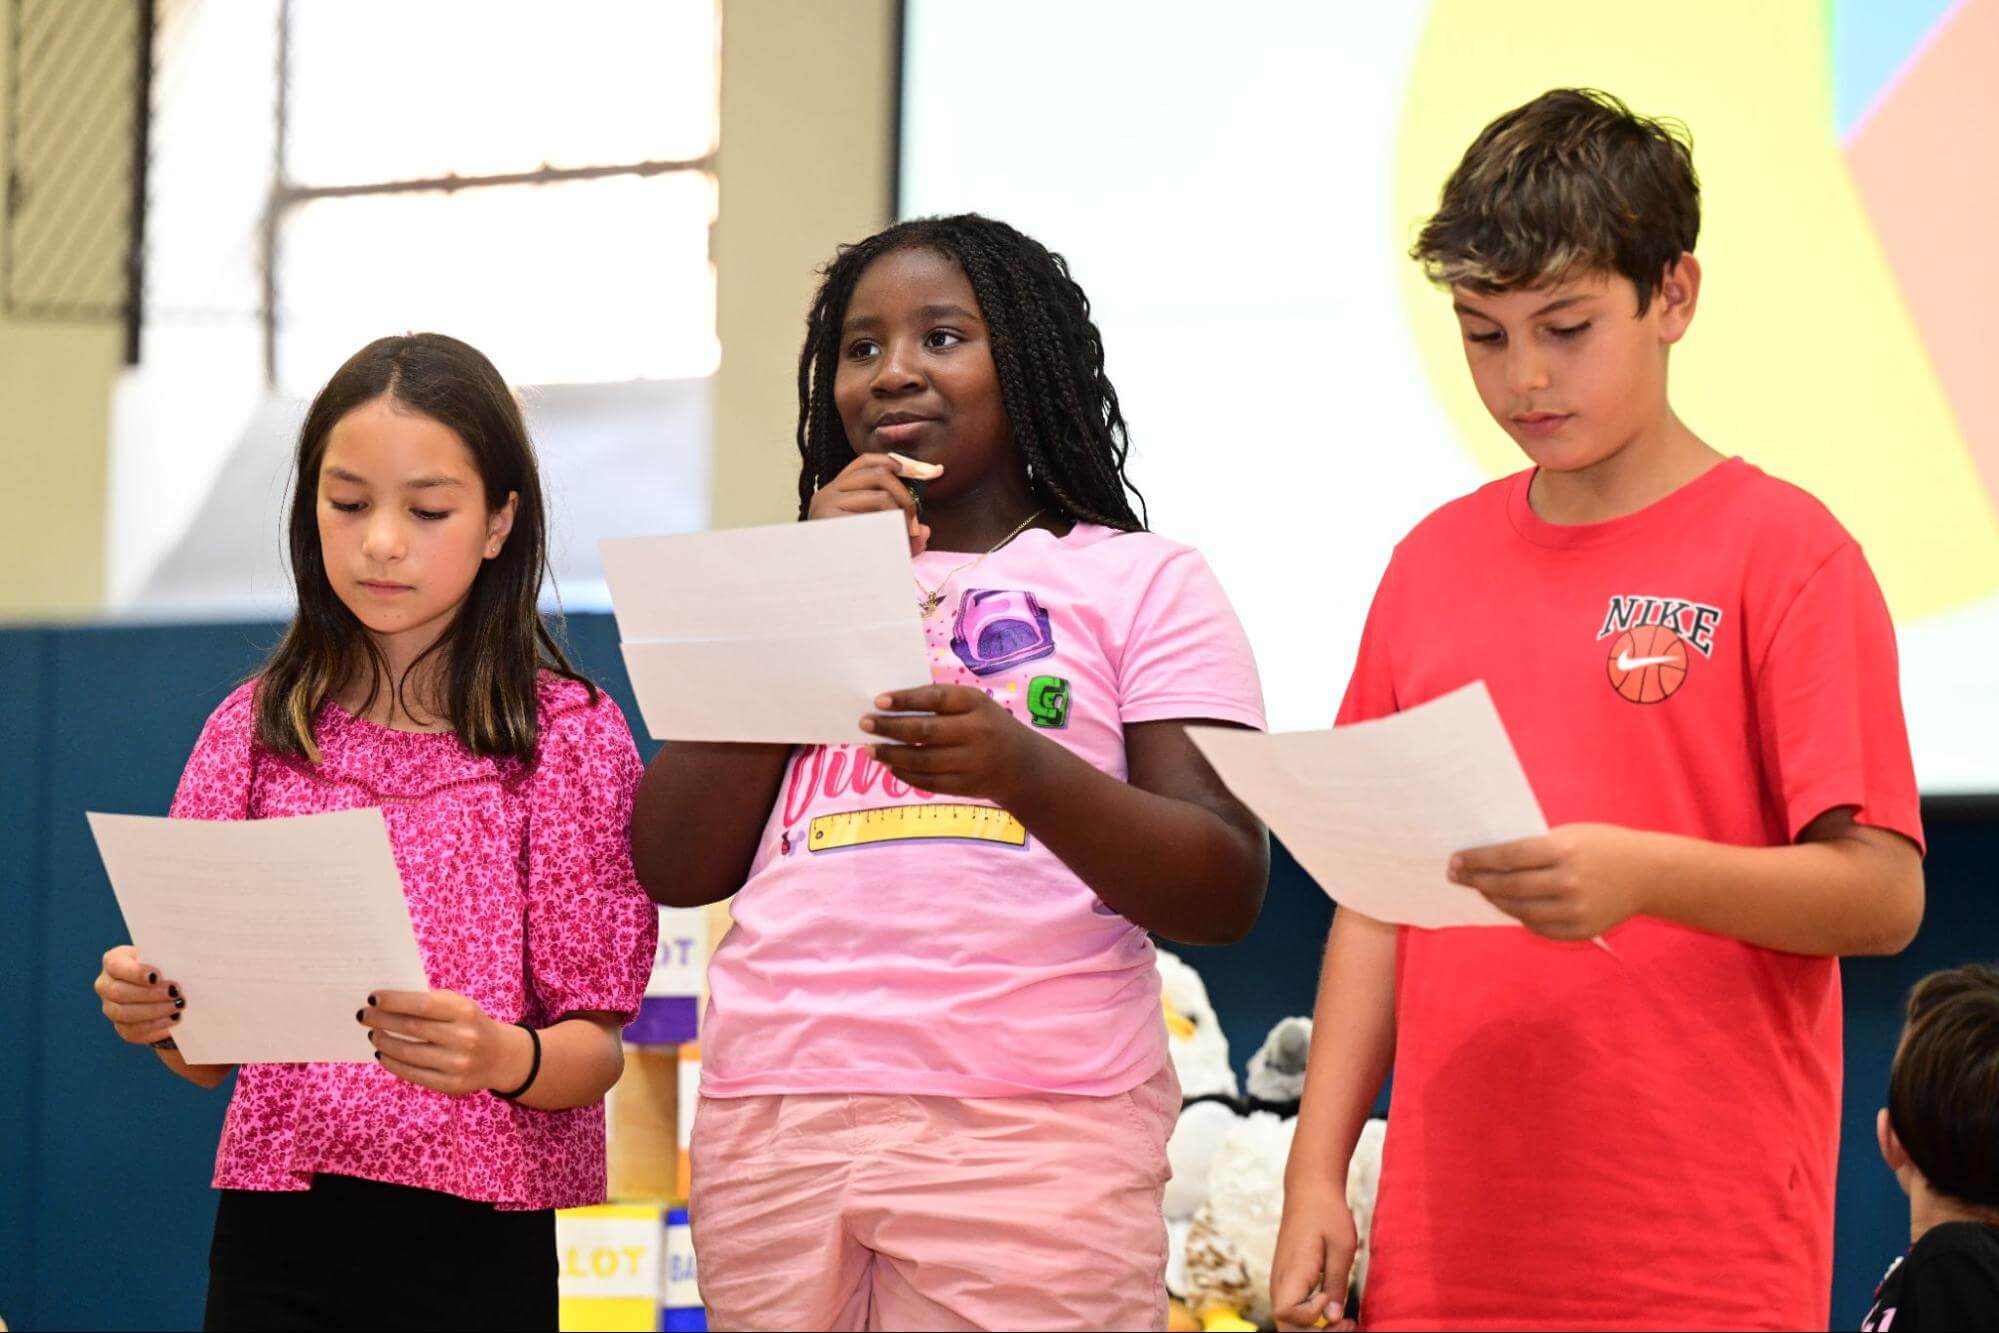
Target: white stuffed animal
1238	1224
1200	1056
1233	1238
1277	1070
1226	1197
1234	1235
1193	1033
1207	1083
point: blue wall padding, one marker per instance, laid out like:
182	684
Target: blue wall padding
105	1209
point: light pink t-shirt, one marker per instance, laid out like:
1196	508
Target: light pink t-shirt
891	941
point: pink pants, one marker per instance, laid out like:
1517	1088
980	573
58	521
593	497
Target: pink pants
893	1212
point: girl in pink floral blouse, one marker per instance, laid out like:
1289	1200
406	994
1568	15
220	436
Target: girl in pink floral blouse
417	677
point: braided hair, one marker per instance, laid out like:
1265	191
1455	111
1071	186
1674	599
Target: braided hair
1046	350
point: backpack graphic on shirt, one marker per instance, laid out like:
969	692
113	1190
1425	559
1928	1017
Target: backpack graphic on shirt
999	628
1655	639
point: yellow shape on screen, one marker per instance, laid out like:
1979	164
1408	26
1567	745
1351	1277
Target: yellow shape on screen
1804	357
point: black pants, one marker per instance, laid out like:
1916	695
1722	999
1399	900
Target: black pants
353	1254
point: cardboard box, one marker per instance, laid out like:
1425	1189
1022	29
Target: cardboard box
612	1266
720	920
643	1126
680	962
681	1309
689	1099
627	1266
664	1020
678	985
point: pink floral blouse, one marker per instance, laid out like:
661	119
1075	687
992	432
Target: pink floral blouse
522	893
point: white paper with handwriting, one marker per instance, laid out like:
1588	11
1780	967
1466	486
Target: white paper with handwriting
276	929
1373	811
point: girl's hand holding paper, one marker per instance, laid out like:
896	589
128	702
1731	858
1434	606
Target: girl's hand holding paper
967	746
440	1039
143	1006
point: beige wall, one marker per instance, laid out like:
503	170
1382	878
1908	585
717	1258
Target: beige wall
55	400
804	163
808	90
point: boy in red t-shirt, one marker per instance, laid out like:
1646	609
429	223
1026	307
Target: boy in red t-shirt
1698	670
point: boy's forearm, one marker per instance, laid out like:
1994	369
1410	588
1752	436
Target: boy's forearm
1353	1046
1861	893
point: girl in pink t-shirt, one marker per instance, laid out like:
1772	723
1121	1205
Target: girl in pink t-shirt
935	1088
418	678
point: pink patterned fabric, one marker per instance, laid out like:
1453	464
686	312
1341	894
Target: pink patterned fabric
522	893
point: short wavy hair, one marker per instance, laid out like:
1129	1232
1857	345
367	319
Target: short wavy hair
1572	182
1943	1092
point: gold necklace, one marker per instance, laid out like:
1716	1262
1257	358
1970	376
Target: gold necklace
934	597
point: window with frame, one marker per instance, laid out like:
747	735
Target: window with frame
537	179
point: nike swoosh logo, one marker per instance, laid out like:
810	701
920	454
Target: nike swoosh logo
1628	663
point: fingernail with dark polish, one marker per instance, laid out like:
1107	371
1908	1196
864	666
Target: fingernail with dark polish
180	1004
176	1018
173	992
371	999
378	1055
152	978
358	1013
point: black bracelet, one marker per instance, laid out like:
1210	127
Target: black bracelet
534	1068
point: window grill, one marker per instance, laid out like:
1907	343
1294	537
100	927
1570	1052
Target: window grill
78	82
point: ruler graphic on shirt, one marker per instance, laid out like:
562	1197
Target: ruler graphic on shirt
910	823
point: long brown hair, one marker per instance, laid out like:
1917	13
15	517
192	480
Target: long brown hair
496	646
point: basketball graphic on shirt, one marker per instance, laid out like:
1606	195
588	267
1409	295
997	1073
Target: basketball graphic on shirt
1647	664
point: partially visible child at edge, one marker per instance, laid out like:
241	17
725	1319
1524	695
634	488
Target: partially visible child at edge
935	1088
1698	670
418	677
1939	1134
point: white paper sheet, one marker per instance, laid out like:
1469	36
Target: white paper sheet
1374	811
276	929
783	634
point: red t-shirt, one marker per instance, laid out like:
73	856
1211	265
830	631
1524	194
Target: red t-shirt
1647	1140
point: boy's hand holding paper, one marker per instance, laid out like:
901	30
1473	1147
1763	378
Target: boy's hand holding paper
1573	883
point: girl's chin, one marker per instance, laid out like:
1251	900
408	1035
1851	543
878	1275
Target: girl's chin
400	621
